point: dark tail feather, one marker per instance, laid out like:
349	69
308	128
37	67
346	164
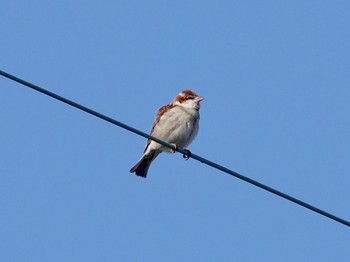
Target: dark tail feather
141	167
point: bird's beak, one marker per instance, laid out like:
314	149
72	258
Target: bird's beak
199	98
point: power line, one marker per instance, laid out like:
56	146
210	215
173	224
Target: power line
185	152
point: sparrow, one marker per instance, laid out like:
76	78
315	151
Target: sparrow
176	123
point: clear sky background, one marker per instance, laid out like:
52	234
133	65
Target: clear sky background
275	77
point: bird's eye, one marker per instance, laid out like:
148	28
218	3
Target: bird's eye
190	97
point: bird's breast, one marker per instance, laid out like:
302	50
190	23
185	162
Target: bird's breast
178	126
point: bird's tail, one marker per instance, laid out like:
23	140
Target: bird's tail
141	167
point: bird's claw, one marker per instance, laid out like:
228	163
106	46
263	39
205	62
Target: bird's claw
173	150
187	155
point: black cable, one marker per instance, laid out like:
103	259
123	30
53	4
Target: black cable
185	152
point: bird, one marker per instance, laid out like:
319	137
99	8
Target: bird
176	123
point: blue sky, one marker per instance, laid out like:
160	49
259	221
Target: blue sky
275	77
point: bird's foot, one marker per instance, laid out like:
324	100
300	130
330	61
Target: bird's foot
173	150
187	155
